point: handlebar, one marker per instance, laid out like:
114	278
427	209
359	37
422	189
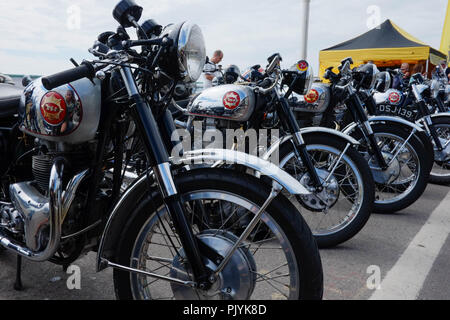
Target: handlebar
85	70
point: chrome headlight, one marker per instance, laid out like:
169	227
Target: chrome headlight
299	77
309	79
191	52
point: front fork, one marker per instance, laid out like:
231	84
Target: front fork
426	117
355	106
158	154
289	120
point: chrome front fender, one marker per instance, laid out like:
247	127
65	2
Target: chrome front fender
441	114
376	119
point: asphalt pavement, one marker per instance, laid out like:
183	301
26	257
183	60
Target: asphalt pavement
403	255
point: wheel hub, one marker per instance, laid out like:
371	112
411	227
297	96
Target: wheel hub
326	198
444	155
236	281
385	176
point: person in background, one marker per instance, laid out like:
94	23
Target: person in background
211	69
399	80
418	68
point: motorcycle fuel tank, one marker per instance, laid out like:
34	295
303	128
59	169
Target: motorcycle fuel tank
392	97
315	101
68	114
230	102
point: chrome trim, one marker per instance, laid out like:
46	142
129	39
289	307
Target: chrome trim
299	137
128	80
58	206
258	164
164	177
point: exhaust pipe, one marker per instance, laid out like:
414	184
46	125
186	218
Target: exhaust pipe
59	205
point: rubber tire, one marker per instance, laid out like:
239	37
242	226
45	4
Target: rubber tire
369	188
424	168
281	210
436	179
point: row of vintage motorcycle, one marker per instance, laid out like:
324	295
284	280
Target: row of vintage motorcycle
87	166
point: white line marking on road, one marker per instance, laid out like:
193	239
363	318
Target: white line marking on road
406	278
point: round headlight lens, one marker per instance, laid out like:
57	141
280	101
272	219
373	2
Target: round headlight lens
191	52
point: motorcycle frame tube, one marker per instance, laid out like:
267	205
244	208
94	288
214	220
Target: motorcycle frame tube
158	154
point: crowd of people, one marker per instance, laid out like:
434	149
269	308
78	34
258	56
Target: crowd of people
406	71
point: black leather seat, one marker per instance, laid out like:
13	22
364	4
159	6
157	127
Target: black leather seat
9	99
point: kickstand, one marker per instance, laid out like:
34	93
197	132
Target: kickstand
18	284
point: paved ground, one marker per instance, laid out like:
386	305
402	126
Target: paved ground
411	249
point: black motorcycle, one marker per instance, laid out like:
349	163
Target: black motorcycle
63	170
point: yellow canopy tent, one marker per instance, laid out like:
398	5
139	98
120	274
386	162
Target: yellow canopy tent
386	45
445	42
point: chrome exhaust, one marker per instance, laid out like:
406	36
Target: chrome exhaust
58	206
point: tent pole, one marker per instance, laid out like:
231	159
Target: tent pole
304	26
428	62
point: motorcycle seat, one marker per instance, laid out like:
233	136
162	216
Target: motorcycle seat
9	99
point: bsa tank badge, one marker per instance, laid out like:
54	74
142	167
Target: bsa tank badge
394	97
231	100
53	108
312	96
302	66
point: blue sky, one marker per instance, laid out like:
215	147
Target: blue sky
39	37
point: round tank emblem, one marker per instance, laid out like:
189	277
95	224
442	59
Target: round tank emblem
312	96
394	97
53	108
231	100
302	66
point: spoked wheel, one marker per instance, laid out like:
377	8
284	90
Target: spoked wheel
342	208
406	178
282	263
440	173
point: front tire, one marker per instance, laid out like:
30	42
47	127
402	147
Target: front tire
413	168
205	185
440	173
356	188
